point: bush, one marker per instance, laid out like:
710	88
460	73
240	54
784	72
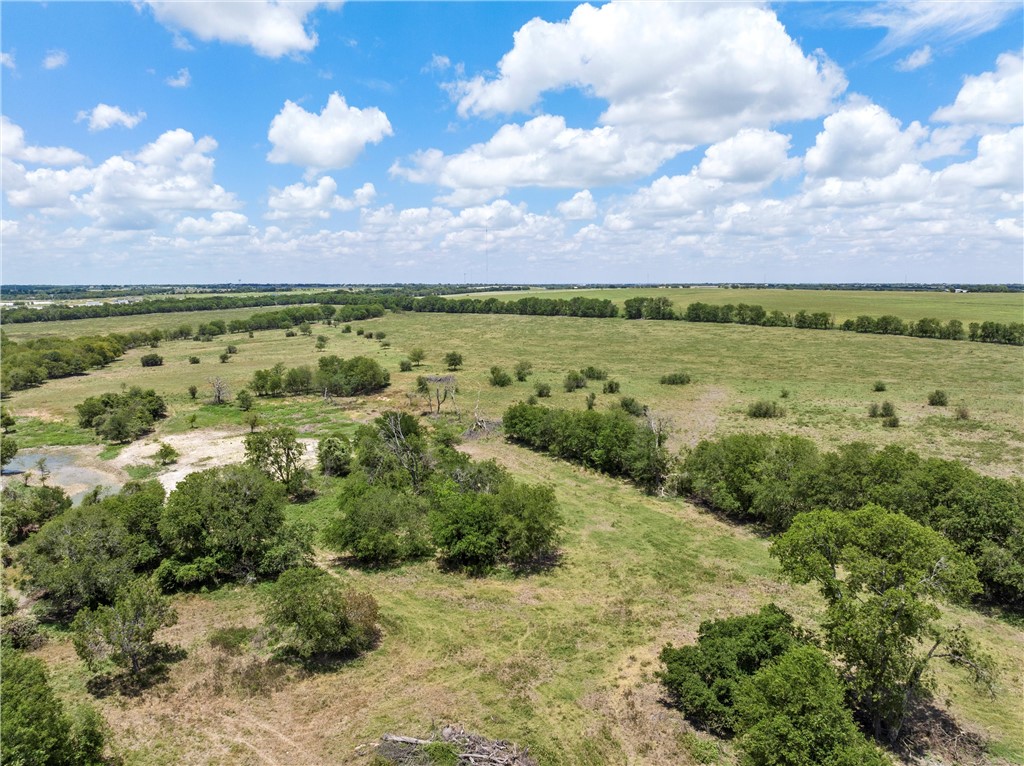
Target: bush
346	329
360	331
500	378
232	350
152	360
675	379
453	360
632	406
703	679
543	390
193	360
594	373
962	413
794	708
290	334
874	410
764	408
166	454
381	335
887	410
193	391
938	398
334	456
523	370
891	422
610	387
368	335
573	381
405	366
318	617
378	525
879	385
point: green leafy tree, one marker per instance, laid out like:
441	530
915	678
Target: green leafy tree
244	400
523	370
306	328
321	342
394	449
26	508
453	360
124	632
465	527
6	421
227	523
883	576
703	679
34	727
500	378
8	449
193	391
318	617
166	454
792	712
417	355
277	452
334	456
530	523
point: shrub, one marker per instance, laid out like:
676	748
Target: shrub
360	331
887	410
225	357
938	398
368	335
193	391
962	413
765	408
193	360
500	378
891	422
244	399
591	400
166	454
531	399
381	335
632	406
152	360
346	329
573	381
879	385
405	366
317	616
874	410
290	334
378	525
453	360
543	390
334	456
230	640
232	349
675	379
784	393
610	387
594	373
523	370
703	679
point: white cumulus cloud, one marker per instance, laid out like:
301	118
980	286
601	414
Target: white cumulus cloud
220	224
55	59
13	146
180	80
991	97
332	139
691	73
272	29
318	200
104	116
580	208
751	156
922	57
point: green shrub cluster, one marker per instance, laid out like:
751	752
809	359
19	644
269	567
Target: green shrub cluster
612	442
152	360
408	499
770	479
334	376
500	378
938	398
765	408
675	379
121	417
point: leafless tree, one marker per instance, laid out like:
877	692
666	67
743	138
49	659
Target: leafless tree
220	390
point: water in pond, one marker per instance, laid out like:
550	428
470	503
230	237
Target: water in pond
75	479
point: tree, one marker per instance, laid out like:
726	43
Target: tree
152	360
225	358
438	389
220	390
252	420
318	617
277	452
530	523
883	575
417	355
193	391
791	712
123	633
321	342
305	328
6	421
523	370
166	454
34	727
334	456
500	378
244	400
453	360
8	449
227	523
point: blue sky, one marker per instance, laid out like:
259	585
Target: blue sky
158	142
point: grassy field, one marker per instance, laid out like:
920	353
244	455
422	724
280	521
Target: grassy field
828	377
564	661
843	304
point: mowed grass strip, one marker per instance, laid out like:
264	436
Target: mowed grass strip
828	376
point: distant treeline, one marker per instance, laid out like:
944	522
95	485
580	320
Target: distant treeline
530	306
1011	333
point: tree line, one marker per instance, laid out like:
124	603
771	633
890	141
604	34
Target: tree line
771	479
1011	333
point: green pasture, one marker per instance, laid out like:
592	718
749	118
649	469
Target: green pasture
828	377
843	304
